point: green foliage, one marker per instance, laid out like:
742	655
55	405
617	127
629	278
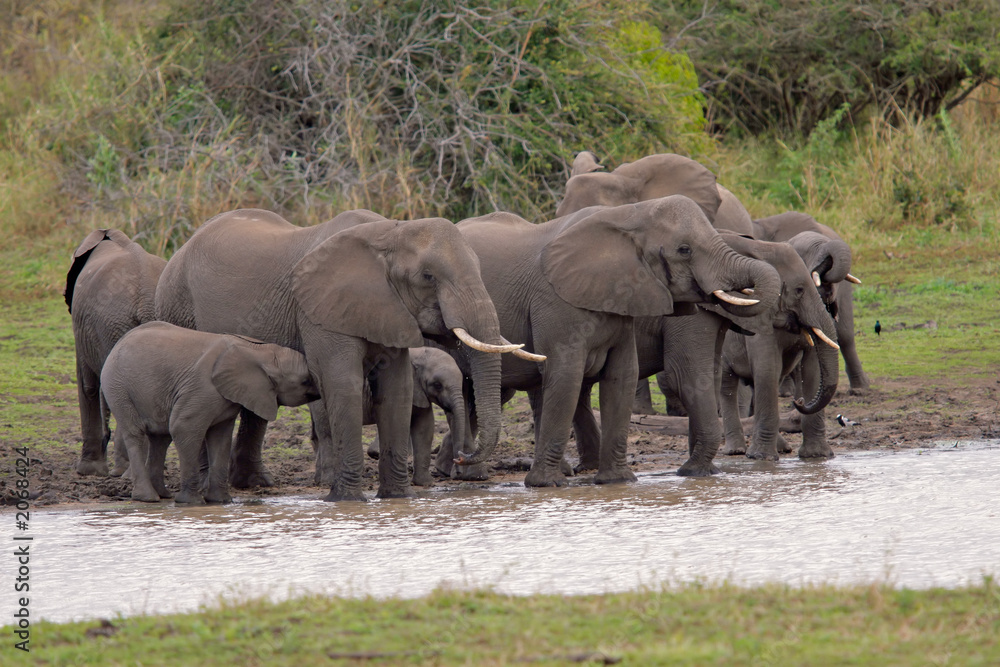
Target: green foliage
786	66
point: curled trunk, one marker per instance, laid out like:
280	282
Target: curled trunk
829	371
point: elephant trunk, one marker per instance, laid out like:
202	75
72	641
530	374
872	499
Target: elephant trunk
738	276
828	358
457	419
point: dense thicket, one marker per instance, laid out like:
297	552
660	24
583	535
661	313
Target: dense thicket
424	107
779	65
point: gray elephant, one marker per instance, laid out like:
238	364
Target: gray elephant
165	383
109	290
352	294
571	287
832	264
685	353
437	380
651	177
801	332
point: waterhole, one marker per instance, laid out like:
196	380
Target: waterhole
915	518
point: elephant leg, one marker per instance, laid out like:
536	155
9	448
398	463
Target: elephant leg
158	445
121	453
617	390
563	379
218	443
444	462
693	372
735	442
95	441
814	443
765	365
422	439
374	449
189	438
138	446
246	466
342	462
642	404
535	399
587	432
322	439
860	383
392	395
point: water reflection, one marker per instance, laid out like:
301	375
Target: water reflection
917	519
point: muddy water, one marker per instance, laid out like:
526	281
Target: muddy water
916	518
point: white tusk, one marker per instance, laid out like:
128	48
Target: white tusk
805	334
816	279
475	344
747	290
852	279
826	339
735	300
524	354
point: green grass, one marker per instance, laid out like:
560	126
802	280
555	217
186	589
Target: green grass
691	625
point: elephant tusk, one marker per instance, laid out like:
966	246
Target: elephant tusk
476	344
805	334
747	290
826	339
735	300
524	354
853	279
816	280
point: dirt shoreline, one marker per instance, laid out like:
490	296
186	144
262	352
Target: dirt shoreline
893	415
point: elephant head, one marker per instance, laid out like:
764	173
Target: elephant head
799	311
638	259
261	376
828	261
437	379
651	177
393	283
584	163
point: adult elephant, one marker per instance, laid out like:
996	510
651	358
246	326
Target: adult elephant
802	332
109	290
352	294
651	177
570	289
832	265
686	355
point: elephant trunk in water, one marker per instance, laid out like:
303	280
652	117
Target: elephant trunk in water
828	358
458	416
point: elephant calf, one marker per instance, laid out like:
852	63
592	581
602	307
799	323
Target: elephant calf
163	383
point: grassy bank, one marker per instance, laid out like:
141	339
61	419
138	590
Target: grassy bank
694	625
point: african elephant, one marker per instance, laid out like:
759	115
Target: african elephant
437	380
109	290
352	294
686	353
571	287
837	284
802	332
164	382
650	177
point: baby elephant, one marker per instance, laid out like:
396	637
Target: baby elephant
166	383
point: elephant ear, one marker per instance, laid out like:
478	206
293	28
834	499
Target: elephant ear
599	264
82	254
239	377
666	174
343	286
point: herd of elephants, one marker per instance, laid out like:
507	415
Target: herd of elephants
650	269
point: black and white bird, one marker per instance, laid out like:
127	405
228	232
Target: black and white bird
844	421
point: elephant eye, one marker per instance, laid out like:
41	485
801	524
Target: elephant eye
428	276
436	386
684	250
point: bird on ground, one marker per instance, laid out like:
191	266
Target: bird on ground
878	328
844	421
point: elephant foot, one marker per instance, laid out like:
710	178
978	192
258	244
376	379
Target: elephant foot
620	475
86	467
163	491
186	497
477	473
566	468
423	479
148	496
763	453
692	468
247	479
394	492
373	450
539	477
783	446
120	469
859	391
733	448
222	497
816	451
338	494
585	466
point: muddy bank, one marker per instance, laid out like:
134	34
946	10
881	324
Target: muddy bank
893	415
